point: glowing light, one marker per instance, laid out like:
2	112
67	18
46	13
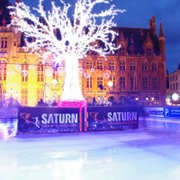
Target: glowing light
31	67
106	75
48	73
11	73
175	97
110	84
54	82
92	69
87	75
78	37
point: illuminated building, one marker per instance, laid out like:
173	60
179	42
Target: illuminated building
134	74
174	87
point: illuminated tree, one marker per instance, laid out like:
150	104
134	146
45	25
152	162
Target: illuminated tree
77	36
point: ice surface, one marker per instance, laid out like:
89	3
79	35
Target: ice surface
113	155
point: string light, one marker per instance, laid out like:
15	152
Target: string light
78	37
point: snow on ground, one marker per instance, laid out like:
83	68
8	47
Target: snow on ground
116	155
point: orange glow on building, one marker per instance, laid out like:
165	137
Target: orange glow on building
135	74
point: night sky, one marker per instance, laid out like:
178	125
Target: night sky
138	14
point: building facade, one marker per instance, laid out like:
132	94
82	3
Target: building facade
135	74
174	87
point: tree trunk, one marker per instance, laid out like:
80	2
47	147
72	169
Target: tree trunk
72	90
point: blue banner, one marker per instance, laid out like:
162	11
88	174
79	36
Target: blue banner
112	118
172	112
48	120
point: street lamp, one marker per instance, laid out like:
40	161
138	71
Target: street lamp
175	97
110	84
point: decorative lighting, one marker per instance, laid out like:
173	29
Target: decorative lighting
175	97
54	82
87	75
92	70
110	84
75	42
106	75
48	73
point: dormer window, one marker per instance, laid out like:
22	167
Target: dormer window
122	51
149	52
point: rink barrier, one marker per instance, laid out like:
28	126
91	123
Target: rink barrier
52	120
160	123
49	120
161	118
95	118
112	118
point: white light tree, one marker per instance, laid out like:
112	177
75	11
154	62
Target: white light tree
77	35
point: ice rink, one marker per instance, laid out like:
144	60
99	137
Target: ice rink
112	155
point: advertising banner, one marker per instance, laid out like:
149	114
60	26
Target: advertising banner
109	118
172	112
48	120
154	111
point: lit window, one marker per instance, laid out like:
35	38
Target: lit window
122	66
89	82
154	83
99	82
3	70
144	66
113	79
2	42
132	66
89	65
100	65
55	73
154	67
144	82
24	72
111	65
24	96
122	82
133	83
40	72
39	94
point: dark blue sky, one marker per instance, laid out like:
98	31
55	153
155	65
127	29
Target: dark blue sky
138	14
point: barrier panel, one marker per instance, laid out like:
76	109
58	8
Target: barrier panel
112	118
48	120
154	111
172	112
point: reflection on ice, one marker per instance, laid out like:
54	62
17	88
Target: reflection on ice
8	128
114	155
